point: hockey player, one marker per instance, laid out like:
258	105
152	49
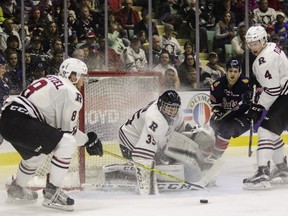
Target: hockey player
228	119
271	70
43	120
145	137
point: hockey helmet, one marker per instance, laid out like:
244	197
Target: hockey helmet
72	65
256	33
233	63
169	103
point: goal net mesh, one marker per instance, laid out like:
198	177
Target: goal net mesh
110	99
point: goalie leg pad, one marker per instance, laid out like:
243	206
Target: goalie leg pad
183	149
118	173
203	136
175	170
146	179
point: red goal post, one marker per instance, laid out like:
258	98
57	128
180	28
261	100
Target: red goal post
110	98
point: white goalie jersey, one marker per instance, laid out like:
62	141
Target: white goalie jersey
147	131
61	111
272	75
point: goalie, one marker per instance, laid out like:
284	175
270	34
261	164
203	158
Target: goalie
152	137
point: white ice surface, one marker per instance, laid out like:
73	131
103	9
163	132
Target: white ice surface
226	199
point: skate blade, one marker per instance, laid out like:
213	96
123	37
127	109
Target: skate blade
48	204
260	186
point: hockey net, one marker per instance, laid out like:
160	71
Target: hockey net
110	98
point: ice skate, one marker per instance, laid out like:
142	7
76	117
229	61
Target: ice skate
260	181
280	171
55	198
18	193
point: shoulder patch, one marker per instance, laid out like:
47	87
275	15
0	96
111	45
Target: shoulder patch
216	83
245	81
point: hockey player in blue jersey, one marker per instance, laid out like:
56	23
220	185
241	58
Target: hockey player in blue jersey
228	119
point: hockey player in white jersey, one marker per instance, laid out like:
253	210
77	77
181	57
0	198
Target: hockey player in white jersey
271	70
145	137
43	120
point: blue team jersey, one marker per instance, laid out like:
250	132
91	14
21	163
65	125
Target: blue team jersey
228	98
4	92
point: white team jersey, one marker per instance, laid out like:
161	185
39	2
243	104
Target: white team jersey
132	60
56	101
147	130
172	45
264	18
271	71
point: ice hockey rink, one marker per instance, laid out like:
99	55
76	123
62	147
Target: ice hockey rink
227	198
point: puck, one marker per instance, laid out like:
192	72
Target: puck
203	201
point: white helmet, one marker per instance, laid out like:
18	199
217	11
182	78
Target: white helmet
72	65
256	33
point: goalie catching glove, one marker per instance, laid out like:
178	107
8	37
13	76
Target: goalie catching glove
94	145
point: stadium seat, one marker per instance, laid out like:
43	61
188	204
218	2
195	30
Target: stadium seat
160	29
138	8
203	62
210	36
182	41
203	56
228	51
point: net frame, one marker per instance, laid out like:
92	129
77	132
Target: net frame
81	154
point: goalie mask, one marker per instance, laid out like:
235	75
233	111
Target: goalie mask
169	103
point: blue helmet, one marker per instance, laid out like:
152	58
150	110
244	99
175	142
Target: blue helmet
233	63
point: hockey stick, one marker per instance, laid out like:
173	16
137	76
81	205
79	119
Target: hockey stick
251	125
229	111
211	173
194	185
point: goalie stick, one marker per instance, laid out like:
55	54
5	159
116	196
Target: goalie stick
194	185
251	125
162	186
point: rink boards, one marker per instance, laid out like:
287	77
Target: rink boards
197	111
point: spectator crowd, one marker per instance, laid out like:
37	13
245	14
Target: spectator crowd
173	37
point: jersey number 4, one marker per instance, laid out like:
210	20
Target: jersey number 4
268	75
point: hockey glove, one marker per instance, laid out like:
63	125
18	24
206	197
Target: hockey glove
189	128
247	97
218	112
255	112
93	145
